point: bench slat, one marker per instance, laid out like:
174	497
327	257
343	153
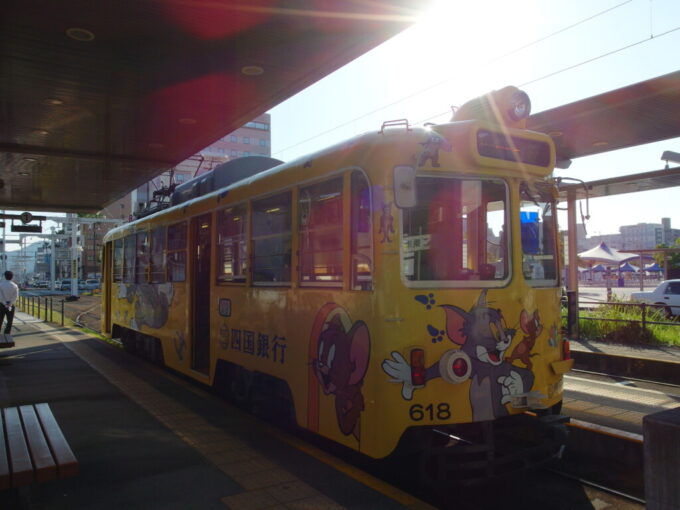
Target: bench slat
66	461
4	461
43	464
20	460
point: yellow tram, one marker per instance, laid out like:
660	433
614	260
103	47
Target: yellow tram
398	285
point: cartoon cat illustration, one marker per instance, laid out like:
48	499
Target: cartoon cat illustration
483	337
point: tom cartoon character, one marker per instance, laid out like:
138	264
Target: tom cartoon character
483	338
340	369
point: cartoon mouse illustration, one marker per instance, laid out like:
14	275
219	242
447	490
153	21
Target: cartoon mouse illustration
532	327
340	369
431	146
386	223
483	337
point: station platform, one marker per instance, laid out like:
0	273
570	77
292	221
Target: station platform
661	353
641	379
149	440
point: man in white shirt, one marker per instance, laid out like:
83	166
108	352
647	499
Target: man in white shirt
9	293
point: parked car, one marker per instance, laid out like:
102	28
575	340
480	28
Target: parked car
66	284
92	284
667	294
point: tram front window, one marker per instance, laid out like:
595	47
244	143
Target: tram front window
538	227
456	232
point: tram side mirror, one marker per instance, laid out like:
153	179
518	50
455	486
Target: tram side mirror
404	186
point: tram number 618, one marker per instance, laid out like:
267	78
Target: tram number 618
441	411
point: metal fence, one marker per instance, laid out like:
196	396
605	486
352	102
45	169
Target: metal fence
41	307
644	320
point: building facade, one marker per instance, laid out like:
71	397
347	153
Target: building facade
253	139
641	236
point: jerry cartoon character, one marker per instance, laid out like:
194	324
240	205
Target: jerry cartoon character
340	369
431	146
532	327
482	336
386	223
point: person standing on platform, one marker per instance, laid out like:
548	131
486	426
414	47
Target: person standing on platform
9	293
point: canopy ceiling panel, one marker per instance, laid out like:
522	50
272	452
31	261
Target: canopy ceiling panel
96	98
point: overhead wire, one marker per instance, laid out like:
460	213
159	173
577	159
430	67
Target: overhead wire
442	82
574	66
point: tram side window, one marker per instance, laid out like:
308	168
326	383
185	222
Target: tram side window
361	234
143	257
177	252
232	257
456	232
118	260
129	249
538	227
158	255
320	220
271	239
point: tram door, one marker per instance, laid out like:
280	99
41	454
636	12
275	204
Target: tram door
201	234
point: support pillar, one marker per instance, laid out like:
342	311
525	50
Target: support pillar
572	262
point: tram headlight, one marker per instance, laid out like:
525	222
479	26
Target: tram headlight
520	106
455	366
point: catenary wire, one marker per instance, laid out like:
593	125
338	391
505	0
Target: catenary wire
574	66
430	87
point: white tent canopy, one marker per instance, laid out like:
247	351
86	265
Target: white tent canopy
606	255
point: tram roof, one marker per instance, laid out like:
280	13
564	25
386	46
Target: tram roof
83	121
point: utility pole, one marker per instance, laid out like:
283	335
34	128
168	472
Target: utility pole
74	255
53	263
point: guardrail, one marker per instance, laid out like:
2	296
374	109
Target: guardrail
643	321
41	307
643	313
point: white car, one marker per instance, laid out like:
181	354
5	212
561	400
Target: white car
667	294
92	284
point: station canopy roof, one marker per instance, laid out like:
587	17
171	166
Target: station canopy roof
97	98
645	181
641	113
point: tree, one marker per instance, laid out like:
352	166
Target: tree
673	258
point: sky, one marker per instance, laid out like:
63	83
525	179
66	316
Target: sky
556	51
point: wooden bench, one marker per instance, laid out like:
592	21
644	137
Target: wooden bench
32	447
6	341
